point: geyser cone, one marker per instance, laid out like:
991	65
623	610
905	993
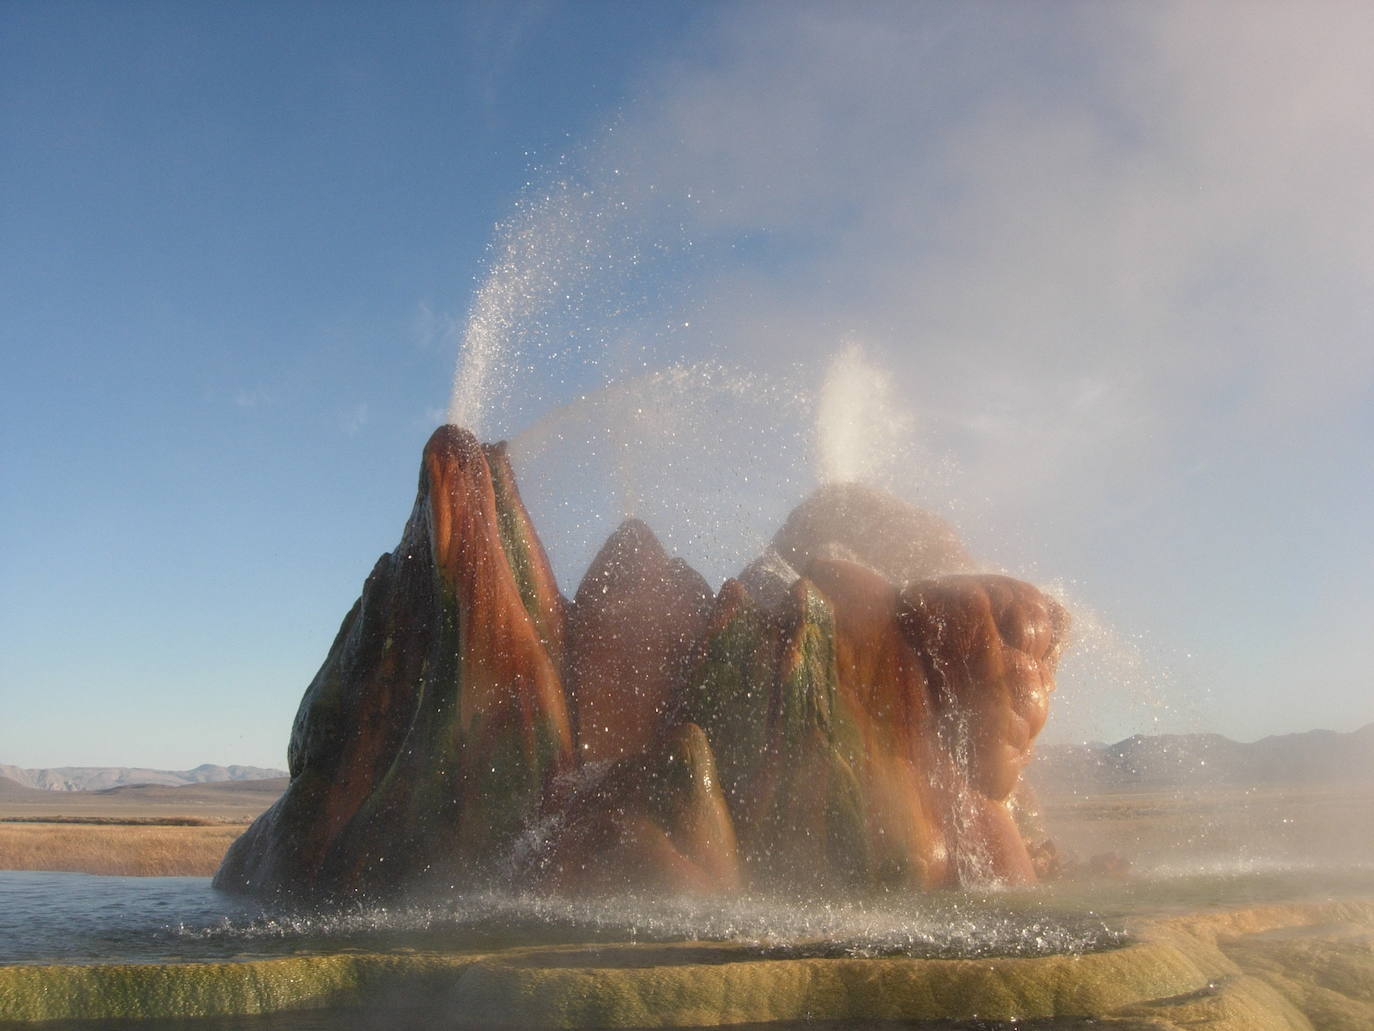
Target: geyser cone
882	687
872	528
764	690
635	620
349	727
528	561
432	730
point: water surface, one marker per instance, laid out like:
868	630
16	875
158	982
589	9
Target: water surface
79	918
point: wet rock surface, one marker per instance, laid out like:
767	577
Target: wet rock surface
426	741
853	713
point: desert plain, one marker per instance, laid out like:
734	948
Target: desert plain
154	830
148	830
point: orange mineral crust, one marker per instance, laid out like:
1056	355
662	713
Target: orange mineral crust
883	687
526	556
438	719
990	646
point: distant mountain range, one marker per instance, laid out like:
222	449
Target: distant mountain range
1174	761
101	778
1139	763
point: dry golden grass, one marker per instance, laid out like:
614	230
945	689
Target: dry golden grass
137	851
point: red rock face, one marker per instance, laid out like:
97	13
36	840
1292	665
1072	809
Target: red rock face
653	822
350	726
526	556
429	736
513	733
765	689
635	620
990	646
883	684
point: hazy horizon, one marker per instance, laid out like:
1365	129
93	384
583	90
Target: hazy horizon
282	769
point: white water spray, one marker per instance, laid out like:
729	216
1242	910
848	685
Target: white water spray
710	455
862	434
545	258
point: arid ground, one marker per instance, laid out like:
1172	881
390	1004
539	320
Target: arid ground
1222	829
165	831
144	831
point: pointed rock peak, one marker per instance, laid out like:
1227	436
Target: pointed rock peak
502	473
498	453
806	602
631	555
873	528
768	579
734	597
528	560
451	444
686	743
635	619
635	530
635	544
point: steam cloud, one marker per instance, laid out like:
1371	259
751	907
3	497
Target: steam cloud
1106	254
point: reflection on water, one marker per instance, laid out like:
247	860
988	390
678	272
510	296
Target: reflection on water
65	917
57	917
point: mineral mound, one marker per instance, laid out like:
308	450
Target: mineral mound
853	712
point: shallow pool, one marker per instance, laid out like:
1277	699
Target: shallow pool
78	918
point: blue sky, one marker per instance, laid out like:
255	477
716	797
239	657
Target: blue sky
1112	264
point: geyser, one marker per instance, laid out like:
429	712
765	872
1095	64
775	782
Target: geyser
851	713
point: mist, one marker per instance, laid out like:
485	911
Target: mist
1110	265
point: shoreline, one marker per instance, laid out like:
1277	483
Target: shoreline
187	834
127	821
1241	969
